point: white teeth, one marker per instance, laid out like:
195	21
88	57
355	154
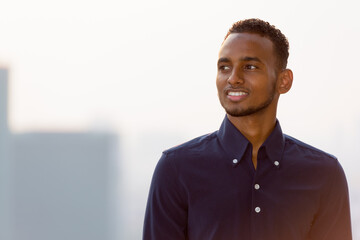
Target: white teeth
236	93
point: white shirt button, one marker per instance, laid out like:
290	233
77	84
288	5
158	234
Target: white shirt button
257	209
235	161
276	163
257	186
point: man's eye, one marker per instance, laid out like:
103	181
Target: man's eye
250	67
224	68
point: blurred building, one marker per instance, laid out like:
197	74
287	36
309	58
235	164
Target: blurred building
4	161
57	185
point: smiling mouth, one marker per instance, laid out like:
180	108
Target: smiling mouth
236	96
237	93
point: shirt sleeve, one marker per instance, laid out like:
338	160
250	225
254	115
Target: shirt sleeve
166	210
332	221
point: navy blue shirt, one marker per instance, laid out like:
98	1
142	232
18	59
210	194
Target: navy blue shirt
208	189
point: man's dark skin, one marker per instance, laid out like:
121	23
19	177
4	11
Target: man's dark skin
248	68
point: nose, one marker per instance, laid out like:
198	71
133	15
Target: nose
235	78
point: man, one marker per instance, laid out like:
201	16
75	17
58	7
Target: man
248	180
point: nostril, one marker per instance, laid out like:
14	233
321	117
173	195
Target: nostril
234	80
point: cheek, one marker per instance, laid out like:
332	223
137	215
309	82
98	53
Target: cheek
218	84
272	75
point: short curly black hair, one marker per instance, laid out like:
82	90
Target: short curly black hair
264	29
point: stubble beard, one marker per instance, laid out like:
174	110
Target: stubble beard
235	112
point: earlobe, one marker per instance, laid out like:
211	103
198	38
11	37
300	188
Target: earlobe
286	79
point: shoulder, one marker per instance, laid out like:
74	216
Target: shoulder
188	152
311	158
176	160
307	150
196	145
317	164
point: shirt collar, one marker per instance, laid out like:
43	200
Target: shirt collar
234	142
275	143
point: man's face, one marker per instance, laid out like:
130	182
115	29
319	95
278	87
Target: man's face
246	77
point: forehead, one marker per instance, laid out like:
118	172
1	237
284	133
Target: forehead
238	45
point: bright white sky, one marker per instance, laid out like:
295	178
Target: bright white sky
150	66
140	64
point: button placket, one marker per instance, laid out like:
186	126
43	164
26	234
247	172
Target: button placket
257	193
256	185
257	208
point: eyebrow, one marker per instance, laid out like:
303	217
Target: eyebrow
247	59
251	59
223	60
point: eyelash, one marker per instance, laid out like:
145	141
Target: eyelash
246	67
222	68
250	67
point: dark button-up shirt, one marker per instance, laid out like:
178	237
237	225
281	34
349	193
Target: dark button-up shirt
208	189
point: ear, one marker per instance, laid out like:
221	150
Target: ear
285	81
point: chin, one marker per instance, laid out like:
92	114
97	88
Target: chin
238	113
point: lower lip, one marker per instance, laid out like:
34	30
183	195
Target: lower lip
236	98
